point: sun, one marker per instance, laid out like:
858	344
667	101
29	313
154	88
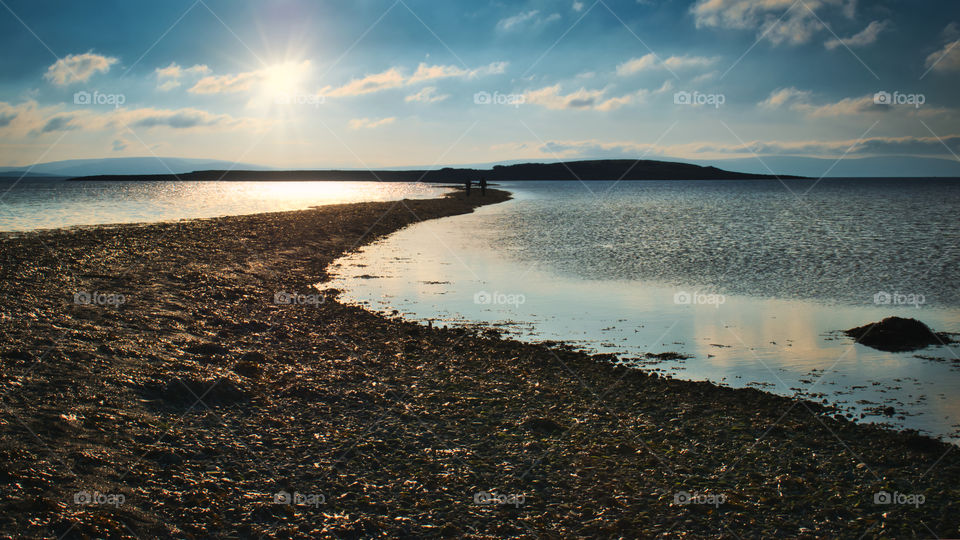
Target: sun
285	79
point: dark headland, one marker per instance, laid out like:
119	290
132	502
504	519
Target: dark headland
604	169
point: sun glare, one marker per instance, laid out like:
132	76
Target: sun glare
285	79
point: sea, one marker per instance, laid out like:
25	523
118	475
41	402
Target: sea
749	283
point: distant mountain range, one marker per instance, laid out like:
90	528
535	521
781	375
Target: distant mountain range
609	169
781	165
133	165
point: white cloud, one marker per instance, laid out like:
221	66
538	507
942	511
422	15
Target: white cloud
394	78
185	118
802	101
427	73
427	95
946	59
391	78
844	107
651	61
226	84
553	98
527	18
78	68
636	65
867	36
951	32
169	77
370	123
578	6
704	77
785	96
29	119
516	20
779	21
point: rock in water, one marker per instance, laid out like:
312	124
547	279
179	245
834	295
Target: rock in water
896	334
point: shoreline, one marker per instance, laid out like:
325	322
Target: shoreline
198	397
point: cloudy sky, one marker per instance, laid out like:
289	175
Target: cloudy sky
371	83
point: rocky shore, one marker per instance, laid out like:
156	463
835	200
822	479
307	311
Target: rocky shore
186	380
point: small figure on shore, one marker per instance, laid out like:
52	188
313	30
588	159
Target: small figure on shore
483	186
467	186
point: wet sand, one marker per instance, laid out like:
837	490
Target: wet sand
184	379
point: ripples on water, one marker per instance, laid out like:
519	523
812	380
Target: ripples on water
843	241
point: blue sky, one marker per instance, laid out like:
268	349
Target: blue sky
296	83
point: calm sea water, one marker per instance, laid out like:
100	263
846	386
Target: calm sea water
44	204
752	280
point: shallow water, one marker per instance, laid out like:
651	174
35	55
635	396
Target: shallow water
44	204
731	274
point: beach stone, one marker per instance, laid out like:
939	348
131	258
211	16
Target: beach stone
897	334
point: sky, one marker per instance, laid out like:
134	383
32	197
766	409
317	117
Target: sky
370	83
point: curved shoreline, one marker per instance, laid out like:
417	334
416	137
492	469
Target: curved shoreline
199	397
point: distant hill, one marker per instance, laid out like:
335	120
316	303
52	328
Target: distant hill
124	166
610	169
13	175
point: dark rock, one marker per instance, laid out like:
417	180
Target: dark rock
543	425
920	443
251	370
253	357
18	354
185	391
668	356
207	349
896	334
250	327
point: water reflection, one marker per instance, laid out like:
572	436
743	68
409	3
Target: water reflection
39	204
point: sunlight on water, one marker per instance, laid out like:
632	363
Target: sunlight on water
37	204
